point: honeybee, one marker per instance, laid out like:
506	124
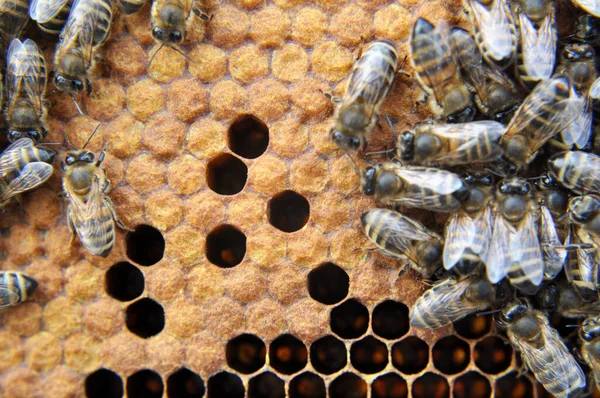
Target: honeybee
131	6
170	19
542	350
587	30
565	300
413	186
451	144
26	85
15	288
438	72
399	236
370	82
50	15
13	19
576	170
590	347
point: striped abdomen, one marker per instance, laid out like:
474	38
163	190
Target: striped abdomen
428	313
379	226
23	284
131	6
95	228
498	42
576	170
14	15
99	11
521	273
426	198
18	159
54	25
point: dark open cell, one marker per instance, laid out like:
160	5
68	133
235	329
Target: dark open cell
226	174
288	211
389	385
287	354
248	137
390	320
411	355
225	246
185	384
492	355
328	284
145	318
564	326
145	245
307	385
348	385
124	282
328	355
145	383
225	385
473	326
266	385
246	353
369	355
472	385
349	320
511	386
451	355
431	385
103	383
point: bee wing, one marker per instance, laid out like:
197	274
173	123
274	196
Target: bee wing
554	252
32	175
44	10
26	72
13	21
432	182
401	234
9	295
90	216
495	26
460	235
594	91
7	164
538	46
524	249
590	6
475	134
578	132
495	261
82	29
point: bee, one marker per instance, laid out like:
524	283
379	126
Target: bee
590	347
50	15
438	72
515	249
15	288
26	84
131	6
576	170
587	30
398	236
370	82
13	19
542	350
451	144
170	19
565	300
413	186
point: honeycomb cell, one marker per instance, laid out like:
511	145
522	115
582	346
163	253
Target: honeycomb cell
266	385
348	385
328	355
492	355
145	318
165	353
289	63
350	25
307	385
288	211
473	326
369	355
431	385
144	99
103	383
226	174
209	62
204	209
225	246
269	99
472	385
390	23
451	355
411	355
185	318
265	318
82	352
248	137
225	384
270	27
164	209
167	64
103	318
43	351
390	320
124	282
206	138
224	318
145	383
164	136
248	63
187	99
389	385
309	26
331	62
145	245
287	354
328	284
349	320
512	386
11	350
227	99
185	384
226	33
246	353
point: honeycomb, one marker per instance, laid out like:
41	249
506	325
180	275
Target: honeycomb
247	273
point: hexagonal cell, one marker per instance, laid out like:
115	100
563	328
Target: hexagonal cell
287	354
492	355
348	385
328	355
369	355
145	318
389	385
124	282
226	174
225	385
431	385
104	383
266	385
328	284
451	355
288	211
411	355
349	320
145	245
185	384
246	353
474	326
472	385
511	386
390	320
225	246
307	385
145	383
248	137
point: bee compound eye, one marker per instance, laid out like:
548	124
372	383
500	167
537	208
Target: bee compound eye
355	143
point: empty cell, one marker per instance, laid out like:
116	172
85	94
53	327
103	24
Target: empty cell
225	385
474	326
307	385
246	353
328	355
431	385
145	318
369	355
349	320
266	385
287	354
471	385
390	320
389	385
124	282
145	383
145	245
225	246
328	284
185	384
226	174
248	137
103	383
492	355
511	386
288	211
348	385
451	355
411	355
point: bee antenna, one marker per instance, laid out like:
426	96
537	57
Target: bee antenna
67	140
352	163
91	135
536	178
182	53
494	172
76	105
573	326
156	52
484	313
349	193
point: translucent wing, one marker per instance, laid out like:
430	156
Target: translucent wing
8	158
594	91
43	11
9	296
590	6
496	262
538	46
475	135
12	20
553	250
460	236
496	31
438	181
26	73
32	175
524	250
402	232
578	132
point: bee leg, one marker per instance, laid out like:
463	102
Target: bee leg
89	87
335	100
101	158
71	224
201	14
111	208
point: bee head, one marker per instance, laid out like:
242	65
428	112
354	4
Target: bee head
406	144
367	183
430	253
590	329
82	156
583	209
30	285
344	141
64	84
515	186
577	51
457	106
547	297
513	311
505	114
